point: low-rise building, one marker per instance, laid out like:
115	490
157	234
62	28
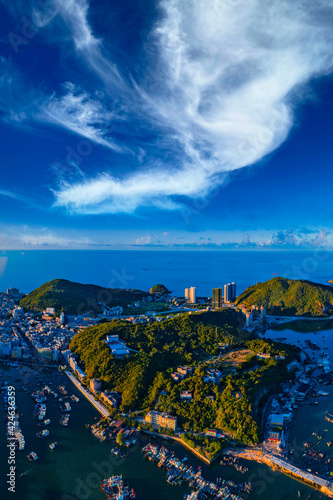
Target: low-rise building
213	376
294	366
181	373
185	370
117	347
95	384
187	395
161	420
302	390
111	398
263	355
274	436
277	419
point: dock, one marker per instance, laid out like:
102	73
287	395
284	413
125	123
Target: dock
286	467
92	400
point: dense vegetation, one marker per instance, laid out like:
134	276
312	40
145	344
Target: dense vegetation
76	298
290	297
160	289
144	378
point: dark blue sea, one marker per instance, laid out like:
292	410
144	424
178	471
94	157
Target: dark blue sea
177	270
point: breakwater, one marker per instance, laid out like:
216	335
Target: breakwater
277	463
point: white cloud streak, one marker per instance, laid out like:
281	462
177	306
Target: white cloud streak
225	79
75	15
227	82
78	112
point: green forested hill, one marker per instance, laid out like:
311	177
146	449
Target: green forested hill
160	346
162	289
76	298
290	297
144	378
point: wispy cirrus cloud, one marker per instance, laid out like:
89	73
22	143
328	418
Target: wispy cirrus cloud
219	87
226	84
74	14
77	111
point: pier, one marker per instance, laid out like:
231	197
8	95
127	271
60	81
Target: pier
286	467
92	400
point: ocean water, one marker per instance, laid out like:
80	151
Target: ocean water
177	270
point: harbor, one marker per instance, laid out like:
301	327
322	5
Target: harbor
277	463
178	472
66	470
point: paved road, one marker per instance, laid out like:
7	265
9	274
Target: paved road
96	404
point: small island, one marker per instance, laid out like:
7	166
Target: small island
161	289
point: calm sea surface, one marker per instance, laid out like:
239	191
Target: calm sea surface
176	269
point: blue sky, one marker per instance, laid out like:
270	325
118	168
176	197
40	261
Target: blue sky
166	123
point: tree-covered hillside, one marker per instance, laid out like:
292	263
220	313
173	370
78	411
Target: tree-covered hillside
289	297
144	378
76	298
159	346
162	289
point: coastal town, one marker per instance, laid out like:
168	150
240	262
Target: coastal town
30	340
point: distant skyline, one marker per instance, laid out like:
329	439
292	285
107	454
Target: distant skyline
166	124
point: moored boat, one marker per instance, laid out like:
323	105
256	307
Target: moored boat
115	489
32	457
43	434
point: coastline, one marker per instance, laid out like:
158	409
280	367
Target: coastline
104	412
180	441
287	468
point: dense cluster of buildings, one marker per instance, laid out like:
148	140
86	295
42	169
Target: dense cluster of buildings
12	345
49	338
114	312
20	331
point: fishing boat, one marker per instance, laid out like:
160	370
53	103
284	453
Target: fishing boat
32	457
46	422
53	445
65	408
43	434
115	489
64	420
